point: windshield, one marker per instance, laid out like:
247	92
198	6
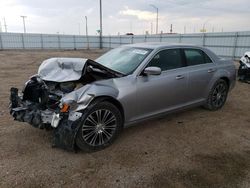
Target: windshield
124	59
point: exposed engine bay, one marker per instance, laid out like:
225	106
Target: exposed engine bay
42	102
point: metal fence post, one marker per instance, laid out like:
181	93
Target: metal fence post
22	40
132	39
74	40
59	41
161	37
180	39
120	40
235	45
109	42
203	39
1	42
41	36
145	39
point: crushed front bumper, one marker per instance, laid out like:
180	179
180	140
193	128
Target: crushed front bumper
30	112
64	125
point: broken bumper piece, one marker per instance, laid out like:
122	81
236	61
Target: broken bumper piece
64	125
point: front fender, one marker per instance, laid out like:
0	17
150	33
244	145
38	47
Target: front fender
82	97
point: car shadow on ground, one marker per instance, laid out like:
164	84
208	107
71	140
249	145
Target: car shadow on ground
218	170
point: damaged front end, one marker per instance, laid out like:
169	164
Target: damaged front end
57	96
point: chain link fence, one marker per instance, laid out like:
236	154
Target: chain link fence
226	44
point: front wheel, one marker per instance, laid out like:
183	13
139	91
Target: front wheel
100	125
217	96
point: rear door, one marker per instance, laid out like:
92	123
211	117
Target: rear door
201	70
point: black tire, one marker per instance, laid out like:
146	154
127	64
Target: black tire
93	135
217	96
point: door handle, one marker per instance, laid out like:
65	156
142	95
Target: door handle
179	77
210	70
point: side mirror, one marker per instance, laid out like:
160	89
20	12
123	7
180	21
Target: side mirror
152	71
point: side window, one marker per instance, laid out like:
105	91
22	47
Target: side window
196	57
207	59
167	59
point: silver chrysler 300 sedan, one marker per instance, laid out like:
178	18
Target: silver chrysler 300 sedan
87	103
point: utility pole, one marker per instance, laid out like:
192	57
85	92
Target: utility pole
87	36
5	25
100	24
171	28
24	28
203	28
131	26
0	27
151	28
79	28
157	10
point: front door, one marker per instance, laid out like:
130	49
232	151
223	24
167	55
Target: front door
160	93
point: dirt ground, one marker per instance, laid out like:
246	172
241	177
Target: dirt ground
195	148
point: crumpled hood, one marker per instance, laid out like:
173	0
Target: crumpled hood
62	69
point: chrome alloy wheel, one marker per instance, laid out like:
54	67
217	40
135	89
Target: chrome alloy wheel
99	127
219	95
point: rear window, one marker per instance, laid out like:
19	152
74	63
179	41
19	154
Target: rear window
196	57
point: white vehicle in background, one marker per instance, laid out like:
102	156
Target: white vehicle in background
244	69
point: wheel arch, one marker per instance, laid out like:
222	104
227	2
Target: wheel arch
226	79
223	74
95	100
111	100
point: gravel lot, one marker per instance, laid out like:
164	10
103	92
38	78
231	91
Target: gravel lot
195	148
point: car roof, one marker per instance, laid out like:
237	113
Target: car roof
159	45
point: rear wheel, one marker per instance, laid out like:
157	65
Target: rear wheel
217	96
101	124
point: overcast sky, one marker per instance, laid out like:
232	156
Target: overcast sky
123	16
